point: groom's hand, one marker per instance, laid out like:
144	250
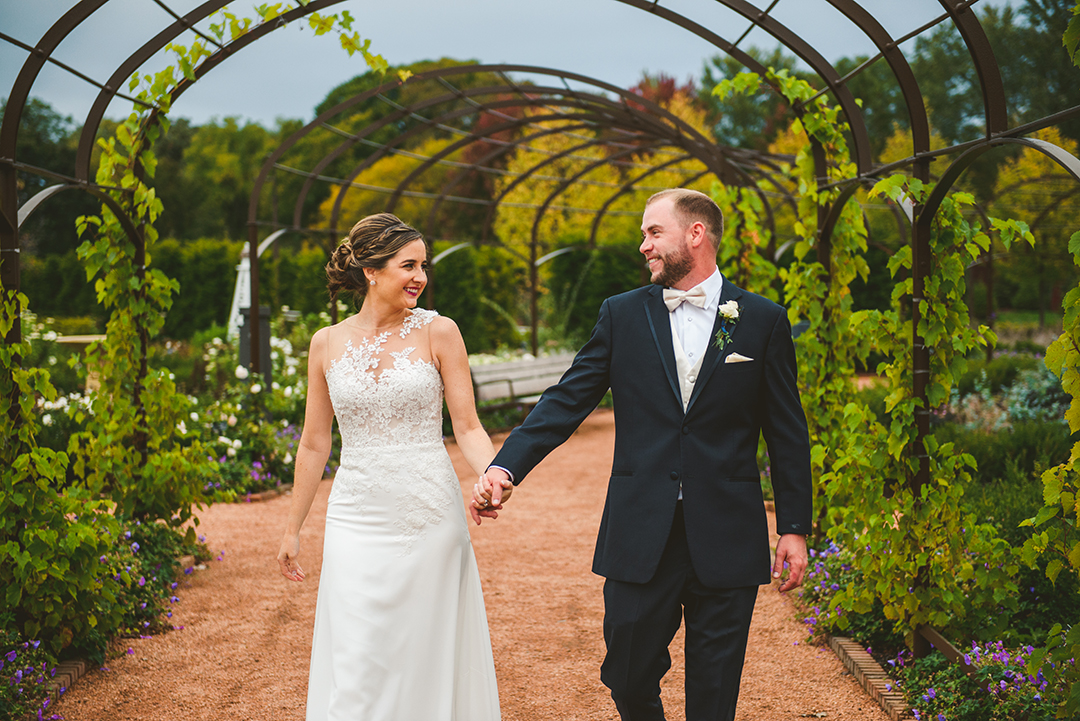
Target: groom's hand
790	552
489	493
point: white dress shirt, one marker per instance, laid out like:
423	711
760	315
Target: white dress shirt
692	325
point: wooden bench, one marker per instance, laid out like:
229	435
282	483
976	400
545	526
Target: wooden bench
519	382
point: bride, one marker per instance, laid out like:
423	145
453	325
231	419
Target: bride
400	629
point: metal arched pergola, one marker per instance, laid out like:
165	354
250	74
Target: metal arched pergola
608	118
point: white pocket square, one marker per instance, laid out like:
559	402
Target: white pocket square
737	358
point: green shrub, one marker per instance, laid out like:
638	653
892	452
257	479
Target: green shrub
996	375
1012	453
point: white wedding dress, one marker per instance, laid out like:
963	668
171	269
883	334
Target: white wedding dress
400	628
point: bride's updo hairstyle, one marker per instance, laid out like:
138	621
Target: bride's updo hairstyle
372	242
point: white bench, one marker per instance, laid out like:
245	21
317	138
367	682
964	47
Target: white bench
518	382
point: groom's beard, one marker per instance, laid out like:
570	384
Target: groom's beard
676	266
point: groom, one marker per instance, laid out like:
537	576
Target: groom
698	369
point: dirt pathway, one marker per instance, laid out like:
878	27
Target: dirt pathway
242	654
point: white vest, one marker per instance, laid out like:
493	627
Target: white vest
688	373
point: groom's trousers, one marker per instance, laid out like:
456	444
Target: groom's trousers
641	619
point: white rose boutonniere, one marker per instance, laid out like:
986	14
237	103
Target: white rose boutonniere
729	313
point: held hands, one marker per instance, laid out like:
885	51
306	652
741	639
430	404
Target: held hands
489	493
290	549
790	552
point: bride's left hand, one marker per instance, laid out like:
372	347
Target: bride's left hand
290	549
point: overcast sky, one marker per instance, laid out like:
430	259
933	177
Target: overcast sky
287	73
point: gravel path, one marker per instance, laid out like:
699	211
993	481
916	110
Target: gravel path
243	652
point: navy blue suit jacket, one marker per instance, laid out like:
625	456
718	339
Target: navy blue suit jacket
710	449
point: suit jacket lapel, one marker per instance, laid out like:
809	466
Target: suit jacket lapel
713	355
660	326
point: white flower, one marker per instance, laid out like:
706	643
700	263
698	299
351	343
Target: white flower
729	310
231	421
52	360
290	371
172	376
237	444
49	335
242	372
256	388
288	458
194	417
224	441
288	391
47	419
215	340
182	427
230	452
275	385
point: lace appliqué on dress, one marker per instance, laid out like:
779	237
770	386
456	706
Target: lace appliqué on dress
391	430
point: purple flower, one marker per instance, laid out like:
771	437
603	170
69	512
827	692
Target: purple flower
11	655
35	644
142	581
131	651
102	559
188	571
173	586
135	547
173	599
127	534
18	676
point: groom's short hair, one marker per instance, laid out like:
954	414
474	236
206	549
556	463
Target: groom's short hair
692	206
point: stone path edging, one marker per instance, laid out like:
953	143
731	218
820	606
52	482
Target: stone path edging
263	495
873	678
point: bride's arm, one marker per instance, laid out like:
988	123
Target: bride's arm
311	455
448	351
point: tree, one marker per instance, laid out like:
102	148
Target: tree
747	121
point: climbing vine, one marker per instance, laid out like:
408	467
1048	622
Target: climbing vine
924	561
130	449
60	512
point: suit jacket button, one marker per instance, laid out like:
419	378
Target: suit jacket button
674	476
686	430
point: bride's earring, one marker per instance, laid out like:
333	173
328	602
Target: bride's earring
373	282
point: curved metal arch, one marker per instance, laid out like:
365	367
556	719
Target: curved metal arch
793	42
1069	162
163	38
480	164
986	67
368	162
443	152
45	194
567	182
901	69
526	175
626	188
419	77
394	117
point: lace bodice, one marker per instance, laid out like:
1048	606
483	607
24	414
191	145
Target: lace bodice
381	403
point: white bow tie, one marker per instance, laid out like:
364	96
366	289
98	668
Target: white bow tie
694	296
